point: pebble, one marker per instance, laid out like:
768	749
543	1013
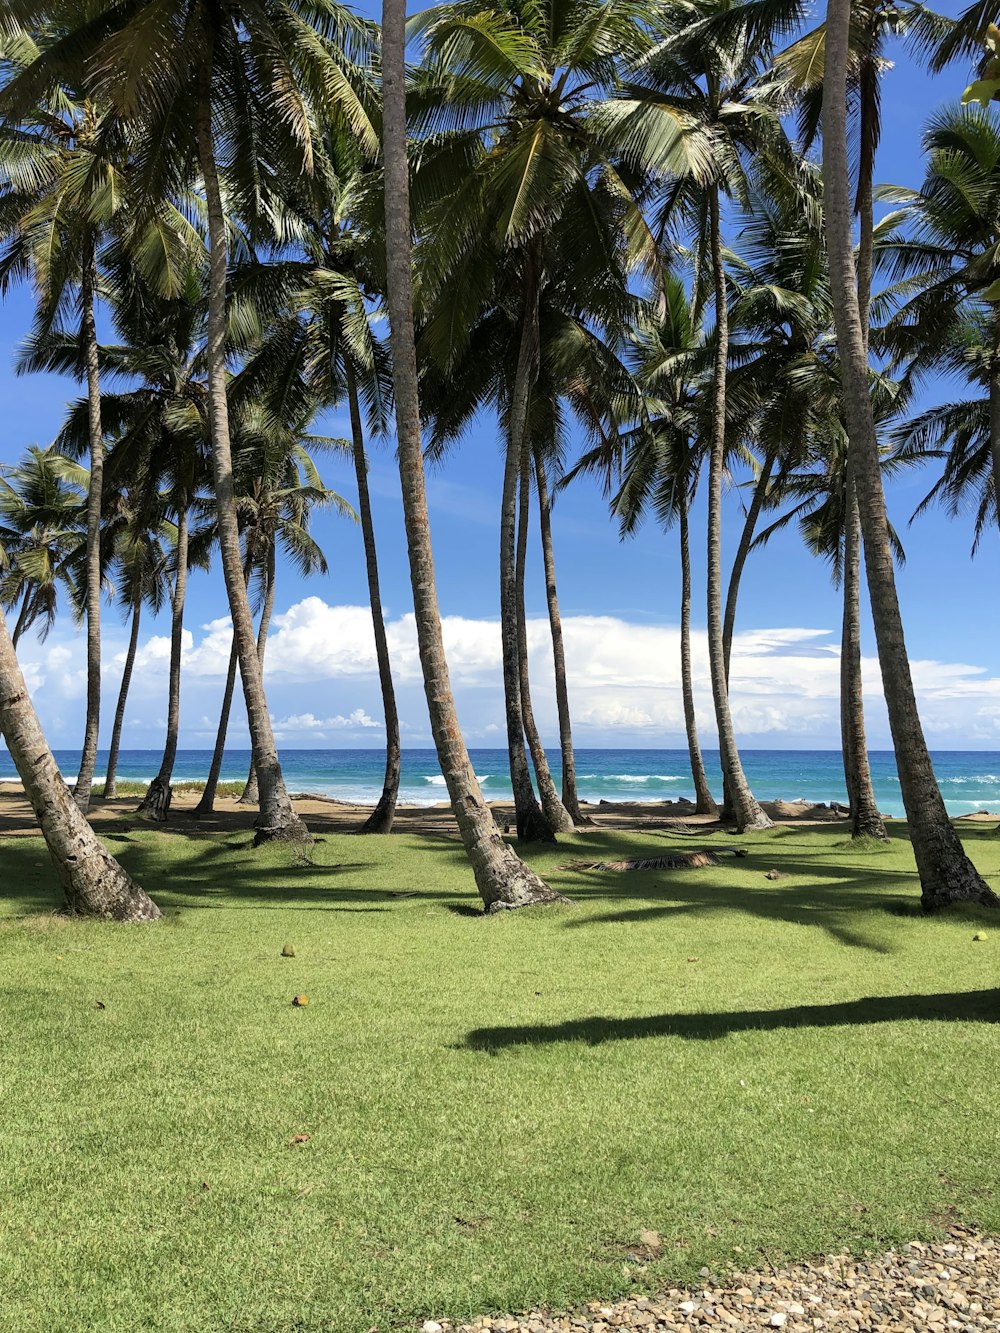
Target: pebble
953	1285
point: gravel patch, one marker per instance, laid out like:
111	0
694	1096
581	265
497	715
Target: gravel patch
921	1288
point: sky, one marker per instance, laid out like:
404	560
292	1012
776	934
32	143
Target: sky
619	599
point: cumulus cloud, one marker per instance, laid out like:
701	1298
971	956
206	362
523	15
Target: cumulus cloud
307	725
624	681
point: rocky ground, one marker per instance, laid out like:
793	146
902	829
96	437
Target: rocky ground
954	1284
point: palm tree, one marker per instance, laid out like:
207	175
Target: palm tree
278	487
555	812
659	462
93	881
942	250
197	82
141	577
570	798
159	429
514	93
66	189
322	349
946	873
702	107
503	880
43	513
821	494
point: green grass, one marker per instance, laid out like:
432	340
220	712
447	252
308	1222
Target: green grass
135	787
496	1106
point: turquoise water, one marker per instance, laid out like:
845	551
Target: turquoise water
969	779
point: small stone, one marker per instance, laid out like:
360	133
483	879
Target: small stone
778	1320
431	1326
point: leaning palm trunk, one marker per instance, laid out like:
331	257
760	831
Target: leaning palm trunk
742	552
116	731
277	819
93	881
736	577
946	873
207	803
250	795
95	487
704	804
503	880
554	810
746	811
866	822
155	805
569	796
532	826
380	819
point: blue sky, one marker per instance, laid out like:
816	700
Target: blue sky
619	599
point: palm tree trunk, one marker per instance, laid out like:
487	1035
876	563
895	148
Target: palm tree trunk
735	578
250	794
93	881
569	796
277	819
503	880
88	337
946	873
380	819
865	818
704	804
116	731
532	826
866	822
742	551
22	618
746	811
155	805
554	810
206	805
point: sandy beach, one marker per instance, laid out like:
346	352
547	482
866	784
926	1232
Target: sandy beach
325	814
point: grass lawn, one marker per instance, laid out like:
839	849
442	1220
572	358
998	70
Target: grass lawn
495	1107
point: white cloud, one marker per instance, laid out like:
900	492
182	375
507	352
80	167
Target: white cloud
623	678
315	728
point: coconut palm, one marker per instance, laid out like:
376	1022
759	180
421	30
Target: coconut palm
141	578
322	349
941	249
946	873
511	94
160	448
657	465
821	494
43	532
278	489
503	880
199	83
701	107
66	188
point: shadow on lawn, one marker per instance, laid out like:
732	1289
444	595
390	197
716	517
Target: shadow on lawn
822	884
978	1006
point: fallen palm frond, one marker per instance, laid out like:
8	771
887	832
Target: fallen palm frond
675	861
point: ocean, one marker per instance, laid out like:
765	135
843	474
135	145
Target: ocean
969	779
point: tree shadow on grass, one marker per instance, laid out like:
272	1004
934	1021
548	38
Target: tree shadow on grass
979	1006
